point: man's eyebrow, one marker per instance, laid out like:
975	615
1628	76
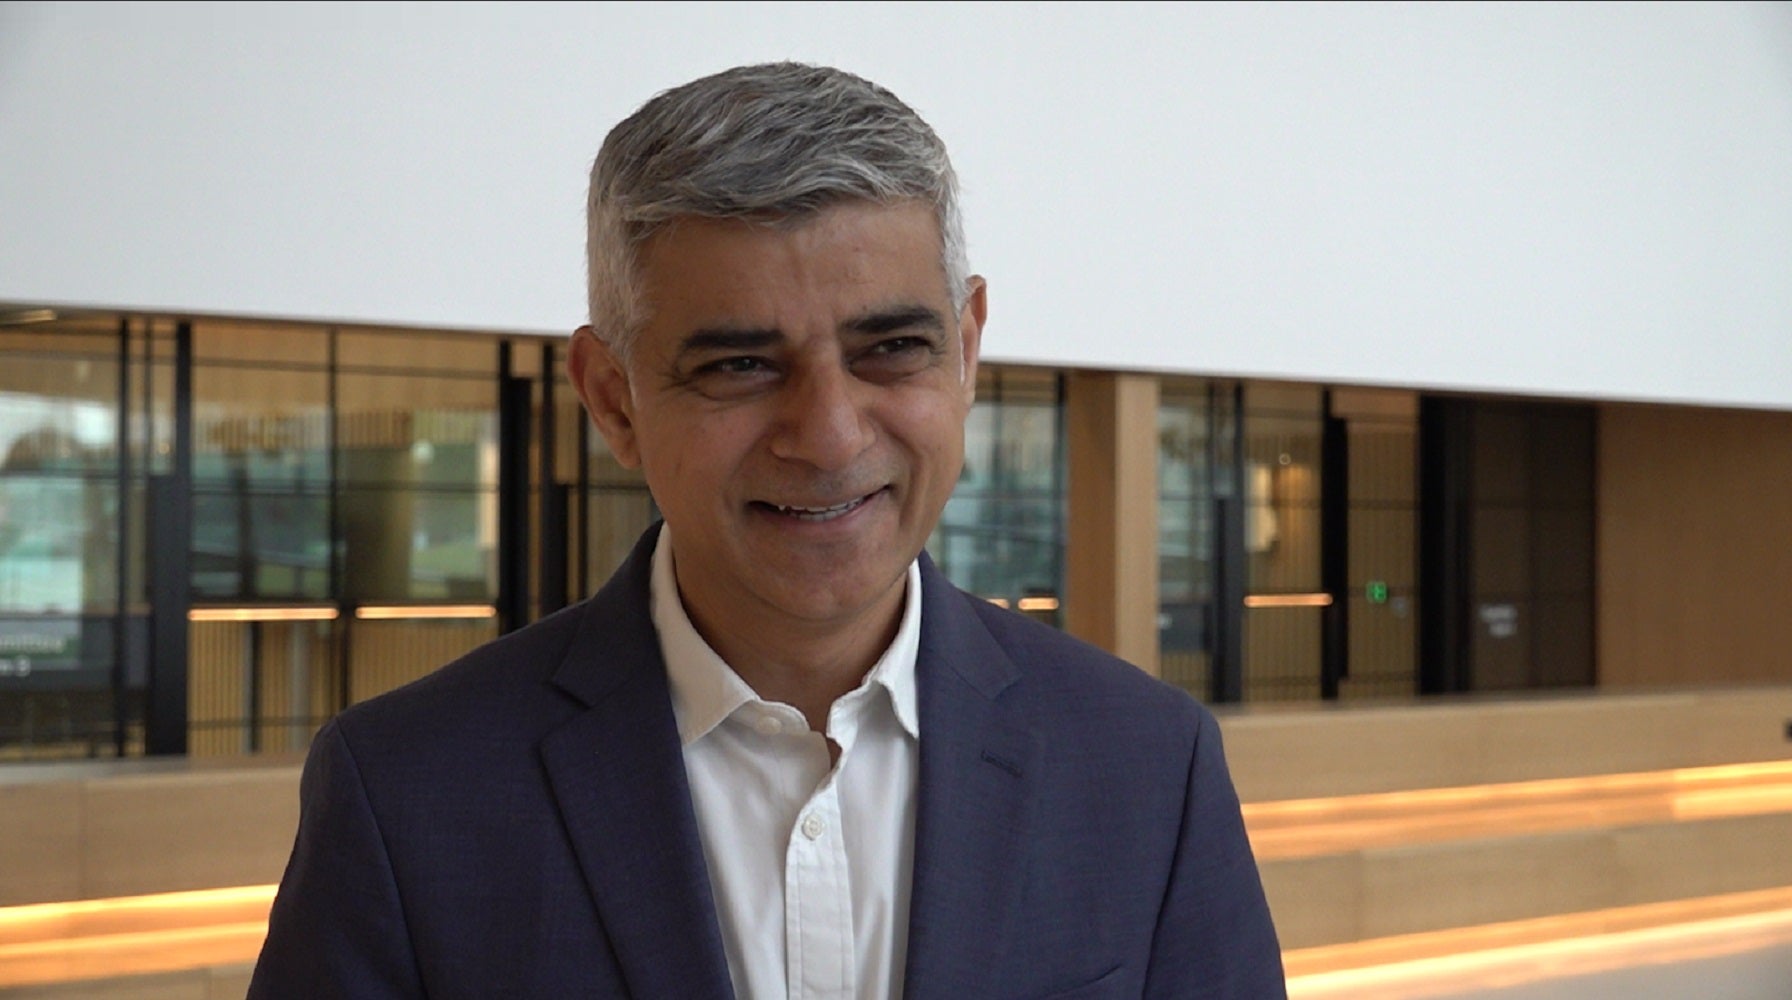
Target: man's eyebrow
729	338
895	318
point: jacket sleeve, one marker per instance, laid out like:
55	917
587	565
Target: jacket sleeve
1214	935
337	928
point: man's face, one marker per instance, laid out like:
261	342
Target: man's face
796	401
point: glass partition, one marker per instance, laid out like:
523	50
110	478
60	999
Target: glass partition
345	503
63	608
1280	482
1186	538
418	474
1001	536
261	465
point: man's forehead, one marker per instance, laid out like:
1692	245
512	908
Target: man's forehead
868	242
855	270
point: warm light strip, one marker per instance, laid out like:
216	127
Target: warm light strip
1560	787
13	919
1000	602
1288	601
392	612
131	935
1466	959
312	613
53	942
134	953
1309	827
25	316
1038	604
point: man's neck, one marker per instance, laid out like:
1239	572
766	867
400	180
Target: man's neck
805	665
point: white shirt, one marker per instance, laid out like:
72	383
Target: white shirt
810	866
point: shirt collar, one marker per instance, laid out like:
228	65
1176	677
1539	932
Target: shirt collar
706	691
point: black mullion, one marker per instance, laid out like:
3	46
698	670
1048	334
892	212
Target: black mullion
165	714
1446	442
121	552
1060	458
1229	565
551	514
1334	550
514	395
341	661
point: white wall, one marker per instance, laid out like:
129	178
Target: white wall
1562	199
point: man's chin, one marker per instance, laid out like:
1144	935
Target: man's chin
832	600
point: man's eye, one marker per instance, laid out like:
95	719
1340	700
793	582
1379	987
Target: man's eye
900	345
895	357
734	366
733	377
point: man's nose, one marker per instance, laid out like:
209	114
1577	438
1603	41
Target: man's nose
822	419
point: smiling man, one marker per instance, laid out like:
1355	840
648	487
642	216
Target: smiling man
778	754
796	398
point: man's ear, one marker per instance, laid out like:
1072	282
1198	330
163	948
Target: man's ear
970	333
601	381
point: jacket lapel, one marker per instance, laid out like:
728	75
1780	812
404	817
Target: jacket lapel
617	773
973	802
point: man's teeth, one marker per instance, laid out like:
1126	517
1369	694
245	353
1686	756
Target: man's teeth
821	513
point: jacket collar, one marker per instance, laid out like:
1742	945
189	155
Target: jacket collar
975	797
617	773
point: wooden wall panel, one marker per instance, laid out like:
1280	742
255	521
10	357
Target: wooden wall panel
100	829
40	842
1444	743
386	654
1281	654
1694	546
298	685
1110	578
217	668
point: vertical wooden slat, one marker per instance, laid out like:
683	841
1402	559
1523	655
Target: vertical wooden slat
1111	594
387	654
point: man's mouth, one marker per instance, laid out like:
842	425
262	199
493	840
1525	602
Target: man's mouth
817	514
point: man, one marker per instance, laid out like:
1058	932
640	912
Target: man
778	754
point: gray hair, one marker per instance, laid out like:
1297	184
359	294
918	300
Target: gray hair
777	142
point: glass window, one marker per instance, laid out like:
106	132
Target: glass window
419	486
1185	531
1263	498
331	470
1280	485
261	480
59	516
1000	536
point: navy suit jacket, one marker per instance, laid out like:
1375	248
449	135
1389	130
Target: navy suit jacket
518	824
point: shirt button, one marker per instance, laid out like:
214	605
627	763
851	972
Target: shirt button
814	826
768	725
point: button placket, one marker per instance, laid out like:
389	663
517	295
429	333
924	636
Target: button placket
818	903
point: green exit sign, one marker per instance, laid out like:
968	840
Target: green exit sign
1376	592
